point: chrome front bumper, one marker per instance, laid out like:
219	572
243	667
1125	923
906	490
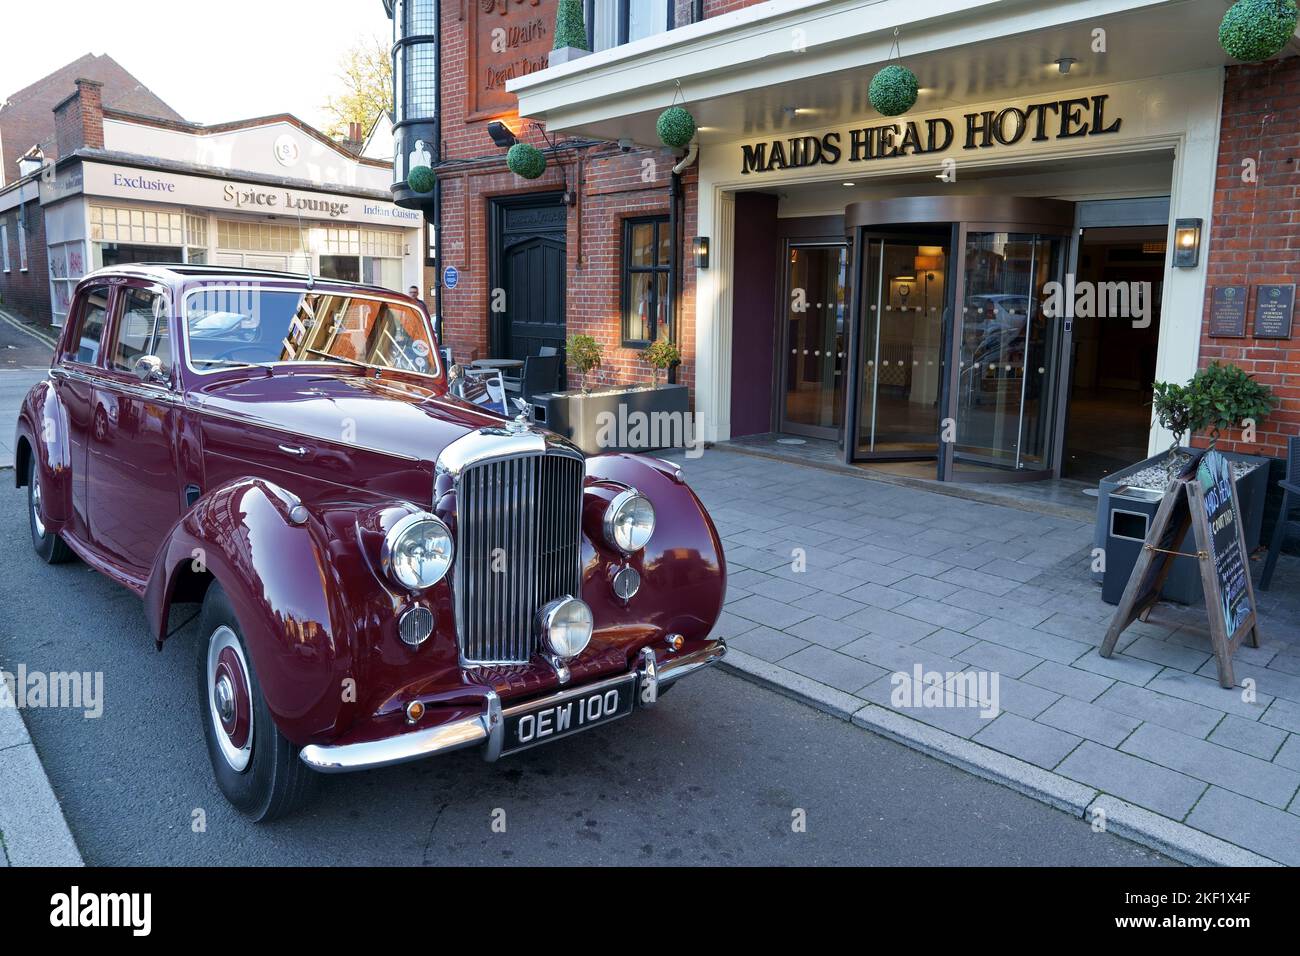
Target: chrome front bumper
488	728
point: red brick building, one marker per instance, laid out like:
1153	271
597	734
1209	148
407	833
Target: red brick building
1256	230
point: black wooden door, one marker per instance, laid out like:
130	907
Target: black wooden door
527	235
533	280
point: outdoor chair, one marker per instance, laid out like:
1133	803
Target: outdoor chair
1290	499
540	374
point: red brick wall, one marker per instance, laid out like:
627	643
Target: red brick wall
610	187
26	293
79	119
1255	237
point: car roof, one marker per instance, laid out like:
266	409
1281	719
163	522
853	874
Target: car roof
172	273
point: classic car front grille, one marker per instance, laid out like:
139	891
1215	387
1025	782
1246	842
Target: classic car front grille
519	546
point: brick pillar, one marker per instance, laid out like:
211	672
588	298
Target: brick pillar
79	119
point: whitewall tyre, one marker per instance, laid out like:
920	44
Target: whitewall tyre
255	767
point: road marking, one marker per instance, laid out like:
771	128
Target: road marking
24	327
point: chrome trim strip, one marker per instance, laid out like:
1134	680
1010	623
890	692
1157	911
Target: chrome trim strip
487	728
152	393
492	442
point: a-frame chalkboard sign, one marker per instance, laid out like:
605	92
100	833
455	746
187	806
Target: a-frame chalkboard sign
1203	496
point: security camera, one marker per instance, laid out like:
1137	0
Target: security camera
625	145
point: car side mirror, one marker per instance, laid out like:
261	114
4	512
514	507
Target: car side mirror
149	368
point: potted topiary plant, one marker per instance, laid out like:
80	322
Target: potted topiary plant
585	353
1225	396
570	33
1217	398
662	356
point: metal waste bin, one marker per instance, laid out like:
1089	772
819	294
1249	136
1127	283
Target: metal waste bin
1131	511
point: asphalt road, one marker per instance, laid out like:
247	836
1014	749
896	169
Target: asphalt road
712	775
22	349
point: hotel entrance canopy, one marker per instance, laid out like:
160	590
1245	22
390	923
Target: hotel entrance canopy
788	65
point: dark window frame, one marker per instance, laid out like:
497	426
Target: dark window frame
627	271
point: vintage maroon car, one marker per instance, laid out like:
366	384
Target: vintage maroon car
385	571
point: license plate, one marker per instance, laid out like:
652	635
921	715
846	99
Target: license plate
581	710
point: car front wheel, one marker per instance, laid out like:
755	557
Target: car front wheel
256	768
48	545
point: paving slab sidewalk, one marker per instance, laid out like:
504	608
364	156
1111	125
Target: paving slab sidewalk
838	583
33	831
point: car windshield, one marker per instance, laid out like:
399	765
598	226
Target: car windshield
240	326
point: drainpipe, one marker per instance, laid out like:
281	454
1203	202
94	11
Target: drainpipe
437	182
675	218
697	11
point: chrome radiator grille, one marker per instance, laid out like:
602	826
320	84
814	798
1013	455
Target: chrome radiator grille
519	546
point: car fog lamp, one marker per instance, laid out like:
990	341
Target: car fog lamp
417	551
629	521
565	627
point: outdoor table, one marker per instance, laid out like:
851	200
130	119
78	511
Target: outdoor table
497	363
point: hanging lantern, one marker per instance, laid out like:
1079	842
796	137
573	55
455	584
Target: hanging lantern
420	179
675	127
1253	30
526	160
893	90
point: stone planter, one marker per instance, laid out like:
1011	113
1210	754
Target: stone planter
1184	582
636	418
566	54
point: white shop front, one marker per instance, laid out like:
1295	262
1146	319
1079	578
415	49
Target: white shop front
100	213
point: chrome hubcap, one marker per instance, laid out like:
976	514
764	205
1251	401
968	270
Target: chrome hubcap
37	523
224	698
230	704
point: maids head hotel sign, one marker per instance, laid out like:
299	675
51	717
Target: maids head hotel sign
988	129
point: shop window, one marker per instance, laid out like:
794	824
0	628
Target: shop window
89	333
646	246
119	254
237	234
612	23
345	268
142	330
136	226
67	266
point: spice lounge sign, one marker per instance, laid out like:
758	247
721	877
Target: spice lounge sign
1066	119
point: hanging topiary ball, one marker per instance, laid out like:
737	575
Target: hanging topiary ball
1253	30
675	127
420	179
526	160
893	90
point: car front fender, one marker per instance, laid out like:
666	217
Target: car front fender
42	430
683	570
275	566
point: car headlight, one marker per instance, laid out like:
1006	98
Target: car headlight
565	626
629	521
417	551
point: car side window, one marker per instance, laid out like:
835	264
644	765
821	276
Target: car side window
88	336
143	330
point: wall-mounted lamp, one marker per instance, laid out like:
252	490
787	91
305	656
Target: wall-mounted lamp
1187	243
501	134
1064	64
701	250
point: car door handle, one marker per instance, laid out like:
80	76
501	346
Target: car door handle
298	451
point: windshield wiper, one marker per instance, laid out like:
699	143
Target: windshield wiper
234	363
339	358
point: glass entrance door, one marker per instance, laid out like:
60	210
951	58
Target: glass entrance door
816	339
1008	349
900	357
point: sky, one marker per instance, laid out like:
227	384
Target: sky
211	62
